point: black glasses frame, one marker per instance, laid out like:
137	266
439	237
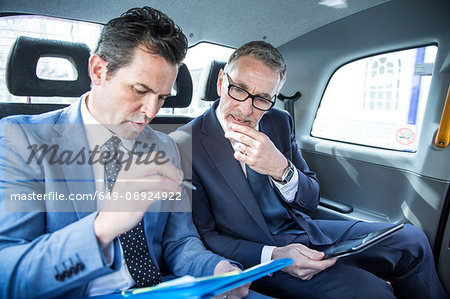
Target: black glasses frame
249	95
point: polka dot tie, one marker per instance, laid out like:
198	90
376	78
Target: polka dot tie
112	164
134	246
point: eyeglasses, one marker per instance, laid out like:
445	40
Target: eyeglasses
241	95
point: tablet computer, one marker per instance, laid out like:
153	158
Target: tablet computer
357	245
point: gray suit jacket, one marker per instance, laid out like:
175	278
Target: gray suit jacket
40	242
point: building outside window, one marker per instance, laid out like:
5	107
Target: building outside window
378	101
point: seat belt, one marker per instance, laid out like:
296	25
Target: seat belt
288	103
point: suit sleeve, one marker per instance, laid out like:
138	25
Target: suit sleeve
183	251
246	252
308	195
35	262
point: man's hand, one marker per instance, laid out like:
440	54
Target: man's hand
257	151
242	291
120	214
307	262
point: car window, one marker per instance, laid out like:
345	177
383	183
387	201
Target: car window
378	101
12	27
197	58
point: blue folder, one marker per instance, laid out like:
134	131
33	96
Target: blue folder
203	287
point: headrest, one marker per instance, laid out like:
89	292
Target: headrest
22	80
208	80
21	77
183	87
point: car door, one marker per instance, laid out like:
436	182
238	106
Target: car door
375	157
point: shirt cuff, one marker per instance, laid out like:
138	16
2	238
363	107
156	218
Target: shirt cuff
108	254
266	253
236	264
288	190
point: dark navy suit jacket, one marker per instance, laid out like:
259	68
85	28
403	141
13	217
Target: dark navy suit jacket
225	210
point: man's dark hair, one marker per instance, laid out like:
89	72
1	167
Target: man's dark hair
145	26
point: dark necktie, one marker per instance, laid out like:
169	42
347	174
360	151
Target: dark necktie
278	218
134	246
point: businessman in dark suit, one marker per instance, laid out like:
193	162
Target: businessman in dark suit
254	191
96	225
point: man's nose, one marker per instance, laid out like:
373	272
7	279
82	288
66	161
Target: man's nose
246	107
150	107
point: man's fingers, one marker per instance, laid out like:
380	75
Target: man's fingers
223	267
251	132
309	253
245	149
315	255
239	292
240	137
320	265
241	157
308	268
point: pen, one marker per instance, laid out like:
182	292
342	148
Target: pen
188	185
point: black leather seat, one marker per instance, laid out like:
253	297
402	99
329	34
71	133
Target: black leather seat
22	80
182	99
208	81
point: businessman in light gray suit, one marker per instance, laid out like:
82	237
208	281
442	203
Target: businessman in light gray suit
54	244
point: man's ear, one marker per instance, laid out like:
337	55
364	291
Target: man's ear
219	82
97	69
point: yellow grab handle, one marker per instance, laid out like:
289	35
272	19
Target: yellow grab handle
443	134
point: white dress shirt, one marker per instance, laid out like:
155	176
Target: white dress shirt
288	190
98	134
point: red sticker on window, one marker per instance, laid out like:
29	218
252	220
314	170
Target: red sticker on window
405	136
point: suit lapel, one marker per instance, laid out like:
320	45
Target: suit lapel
221	153
266	126
71	137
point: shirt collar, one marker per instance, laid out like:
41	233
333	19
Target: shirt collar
98	134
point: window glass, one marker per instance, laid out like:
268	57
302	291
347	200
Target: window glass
54	68
12	27
197	58
378	101
44	27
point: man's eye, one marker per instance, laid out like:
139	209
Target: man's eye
263	100
138	91
238	90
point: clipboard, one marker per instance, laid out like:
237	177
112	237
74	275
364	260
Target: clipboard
203	287
358	245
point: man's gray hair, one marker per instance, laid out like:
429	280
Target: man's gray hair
264	52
